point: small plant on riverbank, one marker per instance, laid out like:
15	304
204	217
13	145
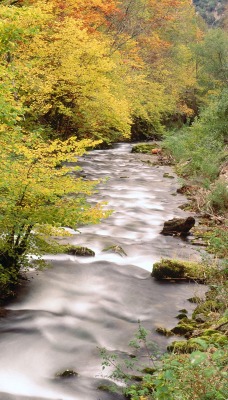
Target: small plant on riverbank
200	375
216	239
218	197
129	367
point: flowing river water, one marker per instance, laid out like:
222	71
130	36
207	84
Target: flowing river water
79	304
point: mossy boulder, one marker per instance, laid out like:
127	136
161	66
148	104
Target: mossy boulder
195	300
183	346
164	331
181	316
184	327
144	148
183	310
79	251
168	269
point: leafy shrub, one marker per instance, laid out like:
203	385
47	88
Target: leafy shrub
218	198
199	149
218	242
202	374
199	375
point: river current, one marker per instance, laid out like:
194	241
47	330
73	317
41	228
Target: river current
68	311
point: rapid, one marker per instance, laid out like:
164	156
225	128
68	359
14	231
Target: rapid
66	312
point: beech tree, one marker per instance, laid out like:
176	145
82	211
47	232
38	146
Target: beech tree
39	194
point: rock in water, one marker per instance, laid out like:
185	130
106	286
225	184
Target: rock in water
68	373
79	251
178	226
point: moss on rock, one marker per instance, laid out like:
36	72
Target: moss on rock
167	175
181	316
105	388
195	300
149	370
180	347
164	331
183	310
78	251
214	337
68	373
184	327
168	269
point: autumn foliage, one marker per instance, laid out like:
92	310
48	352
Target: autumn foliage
73	72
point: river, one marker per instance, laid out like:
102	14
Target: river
79	304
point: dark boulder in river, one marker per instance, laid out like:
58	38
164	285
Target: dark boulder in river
178	226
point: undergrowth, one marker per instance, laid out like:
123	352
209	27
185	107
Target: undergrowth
200	375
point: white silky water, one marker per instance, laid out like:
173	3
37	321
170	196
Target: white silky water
65	313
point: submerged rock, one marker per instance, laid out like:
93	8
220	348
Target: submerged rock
105	388
68	373
167	175
115	249
179	226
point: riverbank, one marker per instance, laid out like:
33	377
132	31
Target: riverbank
196	364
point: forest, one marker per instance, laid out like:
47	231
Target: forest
211	10
78	75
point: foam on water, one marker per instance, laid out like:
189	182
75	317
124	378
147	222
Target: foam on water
79	304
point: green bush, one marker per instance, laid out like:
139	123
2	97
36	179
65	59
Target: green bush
199	149
199	375
218	198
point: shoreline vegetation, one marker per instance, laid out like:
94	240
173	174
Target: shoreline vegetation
195	367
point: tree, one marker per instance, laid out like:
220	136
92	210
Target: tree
212	57
39	194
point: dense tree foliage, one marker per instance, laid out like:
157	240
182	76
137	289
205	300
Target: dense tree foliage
92	69
211	10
